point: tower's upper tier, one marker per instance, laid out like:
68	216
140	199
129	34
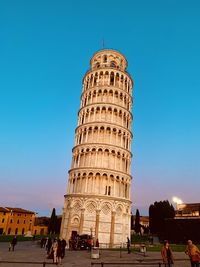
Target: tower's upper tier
108	58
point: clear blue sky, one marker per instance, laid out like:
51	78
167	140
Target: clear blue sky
45	48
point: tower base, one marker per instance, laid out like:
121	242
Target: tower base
105	218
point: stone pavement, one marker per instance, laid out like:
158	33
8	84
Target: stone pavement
30	251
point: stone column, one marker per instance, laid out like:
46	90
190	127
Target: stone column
86	137
112	115
84	159
121	139
95	185
97	224
75	186
89	115
80	184
94	116
112	229
62	223
95	161
81	221
93	182
124	234
103	81
86	184
129	225
114	188
79	159
68	234
100	184
111	135
69	186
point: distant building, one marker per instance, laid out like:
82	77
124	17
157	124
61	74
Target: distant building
18	221
4	218
41	226
185	225
188	210
144	221
40	230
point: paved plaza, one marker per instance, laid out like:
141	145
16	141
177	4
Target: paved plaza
31	252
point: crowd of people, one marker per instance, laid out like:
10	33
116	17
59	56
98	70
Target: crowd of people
55	248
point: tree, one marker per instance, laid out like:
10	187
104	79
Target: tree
137	222
53	222
132	221
158	212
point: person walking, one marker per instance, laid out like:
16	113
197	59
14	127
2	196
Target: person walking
42	242
14	242
49	245
194	254
55	248
59	252
63	245
128	245
167	255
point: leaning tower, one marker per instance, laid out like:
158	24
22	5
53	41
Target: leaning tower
99	183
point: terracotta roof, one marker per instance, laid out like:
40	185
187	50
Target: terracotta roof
19	210
3	209
185	206
142	218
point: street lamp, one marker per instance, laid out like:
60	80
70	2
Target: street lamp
91	231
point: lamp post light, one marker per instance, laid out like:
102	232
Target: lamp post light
177	201
91	228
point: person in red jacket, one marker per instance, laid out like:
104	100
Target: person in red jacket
89	244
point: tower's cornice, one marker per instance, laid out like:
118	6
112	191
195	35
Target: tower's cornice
108	68
99	169
109	50
105	104
103	197
107	87
104	124
106	145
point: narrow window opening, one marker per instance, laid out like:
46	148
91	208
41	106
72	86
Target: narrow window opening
106	190
109	190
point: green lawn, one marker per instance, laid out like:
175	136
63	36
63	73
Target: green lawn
135	246
136	240
157	247
8	238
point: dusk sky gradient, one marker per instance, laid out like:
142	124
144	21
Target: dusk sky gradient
45	49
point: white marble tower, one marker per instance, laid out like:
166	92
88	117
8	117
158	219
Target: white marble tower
99	185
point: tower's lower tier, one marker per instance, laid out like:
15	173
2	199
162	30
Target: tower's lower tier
102	217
